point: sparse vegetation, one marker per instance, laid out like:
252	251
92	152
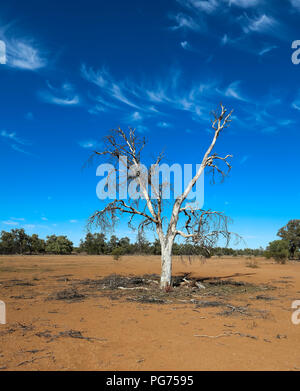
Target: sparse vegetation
117	253
186	288
17	241
279	250
252	263
56	314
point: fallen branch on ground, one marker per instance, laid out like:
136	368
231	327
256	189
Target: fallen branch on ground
31	361
227	334
130	289
212	336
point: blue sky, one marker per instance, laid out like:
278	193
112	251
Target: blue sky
77	69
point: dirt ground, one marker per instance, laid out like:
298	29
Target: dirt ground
65	313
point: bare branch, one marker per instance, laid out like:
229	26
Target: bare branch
210	162
130	146
107	217
221	120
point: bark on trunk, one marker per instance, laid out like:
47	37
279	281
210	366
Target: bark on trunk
166	264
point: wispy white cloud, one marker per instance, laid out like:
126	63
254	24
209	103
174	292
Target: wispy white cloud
62	96
9	222
296	105
24	55
233	91
207	6
210	6
73	221
100	77
29	226
295	4
260	24
104	104
252	16
142	128
164	124
151	97
236	42
96	109
48	98
103	79
269	129
162	96
187	22
296	102
244	159
157	97
88	144
224	39
258	113
22	52
12	136
15	142
17	148
286	122
185	45
118	94
188	47
2	53
267	49
244	3
135	117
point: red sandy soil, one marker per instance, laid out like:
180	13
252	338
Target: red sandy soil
136	336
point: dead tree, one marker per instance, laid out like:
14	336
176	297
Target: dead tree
201	227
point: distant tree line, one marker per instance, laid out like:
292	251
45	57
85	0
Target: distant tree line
96	244
18	242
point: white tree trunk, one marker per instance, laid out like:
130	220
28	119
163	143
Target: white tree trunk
166	263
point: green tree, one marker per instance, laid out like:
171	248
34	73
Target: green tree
156	247
117	252
21	240
142	244
94	244
113	243
279	250
36	245
291	234
124	244
58	245
8	243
